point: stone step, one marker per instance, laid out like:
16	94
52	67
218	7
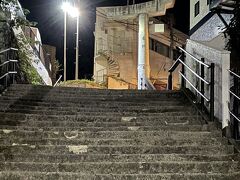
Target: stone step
74	139
90	117
92	96
76	158
104	108
100	149
114	127
53	110
109	113
78	125
91	122
24	87
118	93
124	167
144	135
21	175
91	103
79	99
73	133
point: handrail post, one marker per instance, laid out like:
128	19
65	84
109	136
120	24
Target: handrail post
202	84
7	70
235	109
212	92
170	81
183	83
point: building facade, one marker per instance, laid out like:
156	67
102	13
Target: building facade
117	48
208	20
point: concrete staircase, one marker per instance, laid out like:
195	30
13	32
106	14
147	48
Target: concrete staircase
70	133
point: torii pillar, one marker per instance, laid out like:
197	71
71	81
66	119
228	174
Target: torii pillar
143	51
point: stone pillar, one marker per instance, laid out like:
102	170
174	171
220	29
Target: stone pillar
143	51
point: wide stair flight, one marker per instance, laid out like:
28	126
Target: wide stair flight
71	133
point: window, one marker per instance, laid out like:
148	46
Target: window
159	47
197	8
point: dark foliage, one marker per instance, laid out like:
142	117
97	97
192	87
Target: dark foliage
233	31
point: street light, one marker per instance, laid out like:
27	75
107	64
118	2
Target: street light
74	12
65	7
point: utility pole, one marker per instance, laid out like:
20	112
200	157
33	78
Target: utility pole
171	18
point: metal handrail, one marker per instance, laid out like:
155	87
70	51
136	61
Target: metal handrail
196	59
9	49
207	99
201	77
234	95
57	81
234	115
236	119
233	73
194	72
10	72
6	62
174	66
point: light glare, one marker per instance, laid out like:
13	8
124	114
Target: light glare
72	11
66	7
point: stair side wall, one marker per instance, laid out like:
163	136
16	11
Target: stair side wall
222	64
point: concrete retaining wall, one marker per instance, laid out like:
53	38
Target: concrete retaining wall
222	64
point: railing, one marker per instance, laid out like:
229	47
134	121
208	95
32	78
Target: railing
101	76
204	99
8	67
235	103
58	81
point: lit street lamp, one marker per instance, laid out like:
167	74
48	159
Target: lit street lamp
74	12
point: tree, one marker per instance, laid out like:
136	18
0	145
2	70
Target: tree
233	33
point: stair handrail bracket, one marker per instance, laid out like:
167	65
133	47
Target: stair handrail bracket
8	67
203	81
234	101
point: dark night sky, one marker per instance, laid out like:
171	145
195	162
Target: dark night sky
50	19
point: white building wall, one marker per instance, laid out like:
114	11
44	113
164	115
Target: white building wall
203	11
222	64
35	61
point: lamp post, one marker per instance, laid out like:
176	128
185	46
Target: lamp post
65	46
77	50
65	7
74	12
